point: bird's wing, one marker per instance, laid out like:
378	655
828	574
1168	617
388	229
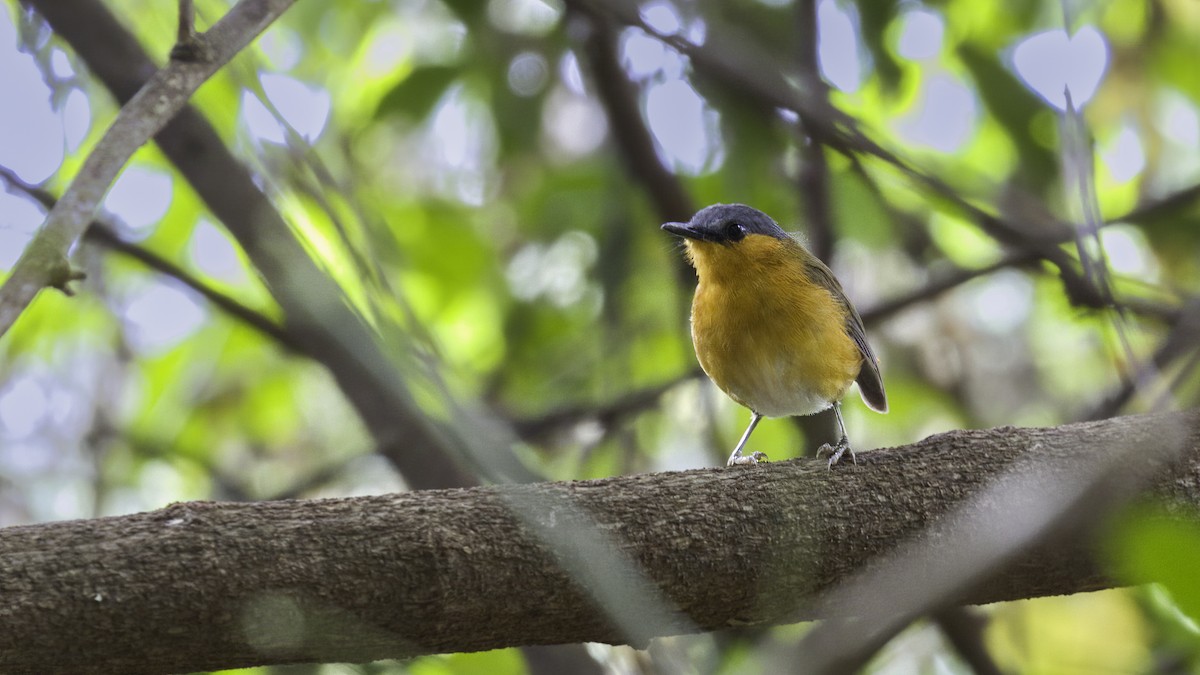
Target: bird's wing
870	381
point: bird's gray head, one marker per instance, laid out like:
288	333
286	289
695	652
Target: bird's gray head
726	224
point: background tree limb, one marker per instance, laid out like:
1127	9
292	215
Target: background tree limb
105	234
202	585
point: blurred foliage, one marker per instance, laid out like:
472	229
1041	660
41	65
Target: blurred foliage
466	193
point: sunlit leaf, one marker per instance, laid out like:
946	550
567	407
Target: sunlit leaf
1150	547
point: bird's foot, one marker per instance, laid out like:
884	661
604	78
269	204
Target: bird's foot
752	458
835	452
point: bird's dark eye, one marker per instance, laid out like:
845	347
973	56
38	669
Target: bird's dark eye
735	231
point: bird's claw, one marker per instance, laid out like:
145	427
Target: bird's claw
835	452
752	458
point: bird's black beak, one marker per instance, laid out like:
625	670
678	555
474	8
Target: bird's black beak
686	231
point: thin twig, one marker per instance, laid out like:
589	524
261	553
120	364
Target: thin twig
105	235
1183	338
534	429
187	21
1161	208
934	288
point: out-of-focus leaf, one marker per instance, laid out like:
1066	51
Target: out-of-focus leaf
1175	237
518	120
857	209
414	96
1015	108
469	11
1148	546
876	17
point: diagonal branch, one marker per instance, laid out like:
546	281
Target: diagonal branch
1163	207
463	570
1182	339
730	58
538	429
426	453
633	139
44	262
936	287
105	235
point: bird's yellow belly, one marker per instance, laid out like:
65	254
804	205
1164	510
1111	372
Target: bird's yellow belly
776	355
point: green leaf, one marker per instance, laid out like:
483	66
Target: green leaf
1153	547
416	94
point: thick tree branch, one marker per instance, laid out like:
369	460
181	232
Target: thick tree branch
427	454
633	139
212	585
44	262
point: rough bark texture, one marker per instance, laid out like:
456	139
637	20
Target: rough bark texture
199	586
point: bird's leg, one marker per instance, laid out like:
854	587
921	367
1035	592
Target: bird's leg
752	458
836	451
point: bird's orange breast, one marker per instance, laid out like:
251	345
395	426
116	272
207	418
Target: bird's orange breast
768	336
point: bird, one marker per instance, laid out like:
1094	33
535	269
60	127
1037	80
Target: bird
771	325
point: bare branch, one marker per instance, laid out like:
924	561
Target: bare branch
814	173
106	235
44	262
633	139
535	429
1161	208
1183	338
459	570
426	453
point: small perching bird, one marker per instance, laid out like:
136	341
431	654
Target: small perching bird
771	325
